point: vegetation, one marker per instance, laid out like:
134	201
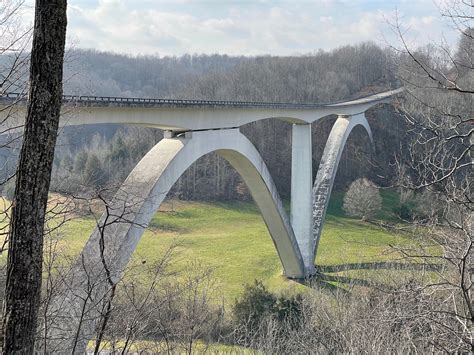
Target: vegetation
339	74
33	176
362	199
226	245
382	285
231	239
257	303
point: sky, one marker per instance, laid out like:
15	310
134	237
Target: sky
245	27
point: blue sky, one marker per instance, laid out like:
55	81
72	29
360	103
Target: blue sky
248	27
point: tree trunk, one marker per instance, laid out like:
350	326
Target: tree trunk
23	289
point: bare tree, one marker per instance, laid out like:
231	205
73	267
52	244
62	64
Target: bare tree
377	320
362	199
437	165
14	42
24	274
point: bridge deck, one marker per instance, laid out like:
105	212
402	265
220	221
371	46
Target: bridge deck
181	115
106	101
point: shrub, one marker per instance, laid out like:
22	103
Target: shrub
406	211
80	162
257	305
428	204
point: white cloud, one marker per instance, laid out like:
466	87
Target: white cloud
243	27
325	19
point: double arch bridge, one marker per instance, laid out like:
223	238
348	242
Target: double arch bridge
194	128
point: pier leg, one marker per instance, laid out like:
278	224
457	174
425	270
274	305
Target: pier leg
301	192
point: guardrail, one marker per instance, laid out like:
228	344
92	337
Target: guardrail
180	102
137	100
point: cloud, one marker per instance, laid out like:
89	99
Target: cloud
243	27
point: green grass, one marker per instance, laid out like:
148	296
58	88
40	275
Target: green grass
231	238
158	347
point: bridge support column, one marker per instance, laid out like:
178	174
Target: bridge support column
301	196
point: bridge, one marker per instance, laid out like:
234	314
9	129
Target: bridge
194	128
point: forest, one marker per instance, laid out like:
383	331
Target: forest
90	158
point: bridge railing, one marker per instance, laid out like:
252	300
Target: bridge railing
182	102
112	99
137	100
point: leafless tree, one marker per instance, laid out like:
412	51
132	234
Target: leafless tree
14	43
437	165
362	199
170	314
25	246
375	321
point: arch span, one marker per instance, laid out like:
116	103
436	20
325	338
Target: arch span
327	170
112	243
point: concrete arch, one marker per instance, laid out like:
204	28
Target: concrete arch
133	206
327	170
154	176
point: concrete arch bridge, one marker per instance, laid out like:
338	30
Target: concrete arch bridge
194	128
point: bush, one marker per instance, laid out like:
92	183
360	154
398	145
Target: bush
401	318
362	199
257	305
406	212
80	162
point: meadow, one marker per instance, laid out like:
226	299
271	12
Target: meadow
231	239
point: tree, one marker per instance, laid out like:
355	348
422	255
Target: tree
362	199
93	172
80	162
25	256
438	108
14	41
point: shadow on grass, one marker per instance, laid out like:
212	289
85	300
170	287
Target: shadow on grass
383	265
322	279
318	282
334	283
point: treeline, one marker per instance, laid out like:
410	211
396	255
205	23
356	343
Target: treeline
340	74
92	72
319	77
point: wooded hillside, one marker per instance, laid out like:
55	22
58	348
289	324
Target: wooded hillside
89	156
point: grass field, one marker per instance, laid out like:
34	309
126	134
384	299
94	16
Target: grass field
231	238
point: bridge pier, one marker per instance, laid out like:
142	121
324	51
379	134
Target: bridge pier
301	196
